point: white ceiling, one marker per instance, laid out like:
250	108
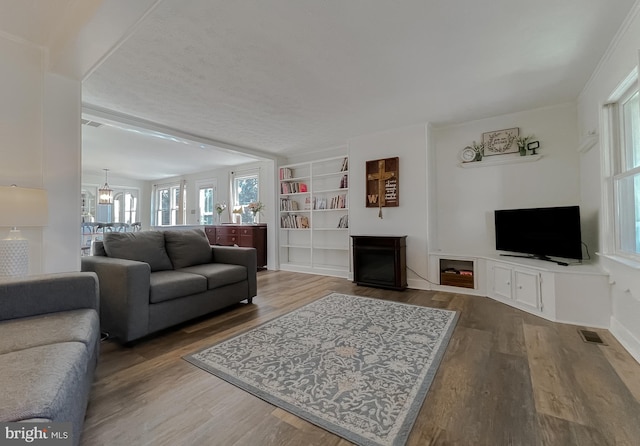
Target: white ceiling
34	21
284	76
137	153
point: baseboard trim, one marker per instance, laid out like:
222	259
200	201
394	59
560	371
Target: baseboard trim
626	338
418	284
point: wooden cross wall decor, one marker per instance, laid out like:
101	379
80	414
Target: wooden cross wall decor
382	184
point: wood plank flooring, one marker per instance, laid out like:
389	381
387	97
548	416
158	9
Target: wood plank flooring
508	378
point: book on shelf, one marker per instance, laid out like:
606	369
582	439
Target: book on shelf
343	222
345	165
342	201
294	222
286	204
335	202
292	187
344	182
285	173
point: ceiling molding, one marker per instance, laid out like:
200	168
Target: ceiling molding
631	16
102	113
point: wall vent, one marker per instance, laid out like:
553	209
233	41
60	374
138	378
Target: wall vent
91	123
591	337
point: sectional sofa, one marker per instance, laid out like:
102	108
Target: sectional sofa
49	344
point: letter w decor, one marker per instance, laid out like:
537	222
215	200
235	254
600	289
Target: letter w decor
382	184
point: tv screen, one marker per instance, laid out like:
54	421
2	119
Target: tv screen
540	232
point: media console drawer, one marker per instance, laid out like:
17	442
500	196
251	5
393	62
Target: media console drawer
453	279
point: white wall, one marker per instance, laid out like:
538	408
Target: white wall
62	144
222	178
410	217
20	129
614	67
40	120
39	130
467	197
268	196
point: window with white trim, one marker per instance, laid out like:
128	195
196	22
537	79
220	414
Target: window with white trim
125	206
626	174
206	193
246	189
167	205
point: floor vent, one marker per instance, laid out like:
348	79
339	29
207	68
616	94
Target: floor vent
591	337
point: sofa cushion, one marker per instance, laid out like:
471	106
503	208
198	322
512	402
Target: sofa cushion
145	246
187	247
75	325
167	285
219	274
42	382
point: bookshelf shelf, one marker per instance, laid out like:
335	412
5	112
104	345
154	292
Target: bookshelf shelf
318	192
324	191
332	174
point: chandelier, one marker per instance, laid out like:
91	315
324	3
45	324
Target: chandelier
105	193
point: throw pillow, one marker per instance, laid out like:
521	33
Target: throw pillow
145	246
187	247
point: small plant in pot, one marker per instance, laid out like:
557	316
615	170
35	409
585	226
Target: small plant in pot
522	141
479	149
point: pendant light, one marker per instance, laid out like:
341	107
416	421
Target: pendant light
105	193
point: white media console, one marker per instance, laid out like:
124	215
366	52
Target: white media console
576	294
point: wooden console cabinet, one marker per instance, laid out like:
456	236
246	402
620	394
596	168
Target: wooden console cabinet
252	236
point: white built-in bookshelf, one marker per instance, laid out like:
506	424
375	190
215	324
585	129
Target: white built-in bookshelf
314	217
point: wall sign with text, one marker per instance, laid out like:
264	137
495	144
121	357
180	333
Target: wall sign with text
500	142
383	183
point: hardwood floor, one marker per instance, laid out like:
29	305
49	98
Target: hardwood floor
508	378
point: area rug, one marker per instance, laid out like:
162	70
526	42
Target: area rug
355	366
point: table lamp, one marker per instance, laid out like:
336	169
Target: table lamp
19	207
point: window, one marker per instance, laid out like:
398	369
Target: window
206	192
246	190
125	207
168	205
626	174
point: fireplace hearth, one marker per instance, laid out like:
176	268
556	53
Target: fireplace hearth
380	261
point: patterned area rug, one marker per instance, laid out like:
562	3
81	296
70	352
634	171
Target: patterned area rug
355	366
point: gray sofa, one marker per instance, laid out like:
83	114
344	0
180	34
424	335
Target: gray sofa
152	280
49	344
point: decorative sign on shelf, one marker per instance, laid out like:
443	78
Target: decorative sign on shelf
500	142
382	184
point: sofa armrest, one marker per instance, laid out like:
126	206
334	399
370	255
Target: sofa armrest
246	257
47	293
124	295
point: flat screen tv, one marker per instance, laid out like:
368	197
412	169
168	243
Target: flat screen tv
540	232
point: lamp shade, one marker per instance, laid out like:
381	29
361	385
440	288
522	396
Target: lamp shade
22	206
